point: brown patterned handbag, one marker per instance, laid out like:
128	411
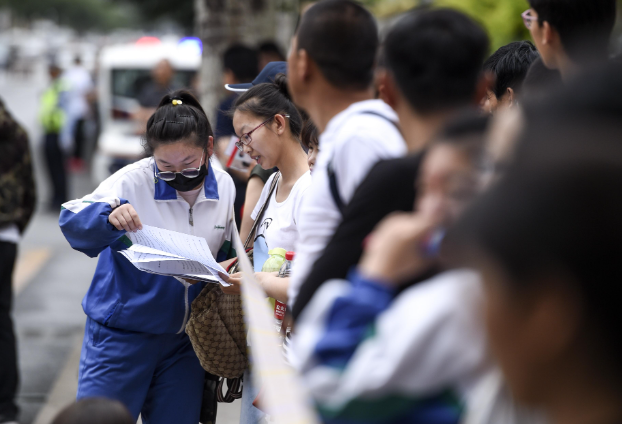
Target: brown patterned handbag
216	325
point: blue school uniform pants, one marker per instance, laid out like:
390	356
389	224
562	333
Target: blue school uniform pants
156	375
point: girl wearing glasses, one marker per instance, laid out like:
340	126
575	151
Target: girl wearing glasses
269	126
135	348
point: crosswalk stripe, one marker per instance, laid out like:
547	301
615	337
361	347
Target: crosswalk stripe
29	263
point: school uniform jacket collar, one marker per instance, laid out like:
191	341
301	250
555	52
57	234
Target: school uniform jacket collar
163	191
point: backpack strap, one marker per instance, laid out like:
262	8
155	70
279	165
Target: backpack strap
334	188
332	177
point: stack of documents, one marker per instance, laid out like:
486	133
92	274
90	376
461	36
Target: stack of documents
173	254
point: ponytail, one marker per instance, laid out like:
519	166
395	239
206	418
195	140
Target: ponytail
269	99
179	116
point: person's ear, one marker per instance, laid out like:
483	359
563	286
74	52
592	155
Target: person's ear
387	88
485	83
555	316
210	146
280	122
549	35
511	96
304	65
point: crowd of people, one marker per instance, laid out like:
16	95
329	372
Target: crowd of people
452	213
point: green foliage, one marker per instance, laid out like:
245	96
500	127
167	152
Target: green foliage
151	11
501	18
82	15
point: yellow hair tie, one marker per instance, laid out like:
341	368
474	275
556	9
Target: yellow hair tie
176	102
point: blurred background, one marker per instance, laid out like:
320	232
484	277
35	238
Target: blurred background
114	53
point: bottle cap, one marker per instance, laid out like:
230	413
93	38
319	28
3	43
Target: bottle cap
278	251
290	256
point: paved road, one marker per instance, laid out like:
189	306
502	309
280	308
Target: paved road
50	282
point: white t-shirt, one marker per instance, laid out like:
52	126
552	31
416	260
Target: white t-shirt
354	140
279	223
10	233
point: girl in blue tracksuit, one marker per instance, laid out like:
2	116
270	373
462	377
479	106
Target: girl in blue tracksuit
135	348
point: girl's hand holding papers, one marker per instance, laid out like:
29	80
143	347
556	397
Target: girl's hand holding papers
269	282
235	280
125	218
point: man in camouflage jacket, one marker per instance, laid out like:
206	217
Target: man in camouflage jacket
17	203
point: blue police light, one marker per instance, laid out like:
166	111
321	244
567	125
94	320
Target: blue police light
192	45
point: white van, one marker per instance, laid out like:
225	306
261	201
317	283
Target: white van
123	69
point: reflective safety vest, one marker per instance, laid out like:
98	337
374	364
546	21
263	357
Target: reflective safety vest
51	115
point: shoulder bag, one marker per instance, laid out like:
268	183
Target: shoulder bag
216	325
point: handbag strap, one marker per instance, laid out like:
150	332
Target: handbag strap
234	390
251	235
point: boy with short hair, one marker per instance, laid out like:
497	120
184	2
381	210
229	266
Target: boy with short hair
509	65
330	76
571	34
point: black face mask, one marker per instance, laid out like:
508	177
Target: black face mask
181	183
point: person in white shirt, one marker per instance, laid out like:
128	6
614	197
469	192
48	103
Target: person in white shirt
330	71
269	126
79	84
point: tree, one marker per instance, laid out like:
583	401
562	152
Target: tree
82	15
501	18
221	23
180	12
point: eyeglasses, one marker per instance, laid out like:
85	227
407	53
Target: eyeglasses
246	139
528	18
188	172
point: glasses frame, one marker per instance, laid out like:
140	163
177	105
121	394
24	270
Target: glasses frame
245	139
528	19
174	173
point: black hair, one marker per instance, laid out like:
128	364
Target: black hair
510	64
271	47
436	58
557	209
94	411
268	99
242	61
171	123
540	80
309	136
584	26
341	37
592	96
562	219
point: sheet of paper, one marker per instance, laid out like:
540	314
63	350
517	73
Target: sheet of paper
175	267
208	278
134	257
158	240
145	249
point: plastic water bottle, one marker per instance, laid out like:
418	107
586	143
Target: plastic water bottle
280	307
286	268
275	261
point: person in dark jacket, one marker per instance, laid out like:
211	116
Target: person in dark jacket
17	203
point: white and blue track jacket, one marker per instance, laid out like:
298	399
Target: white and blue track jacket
120	295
